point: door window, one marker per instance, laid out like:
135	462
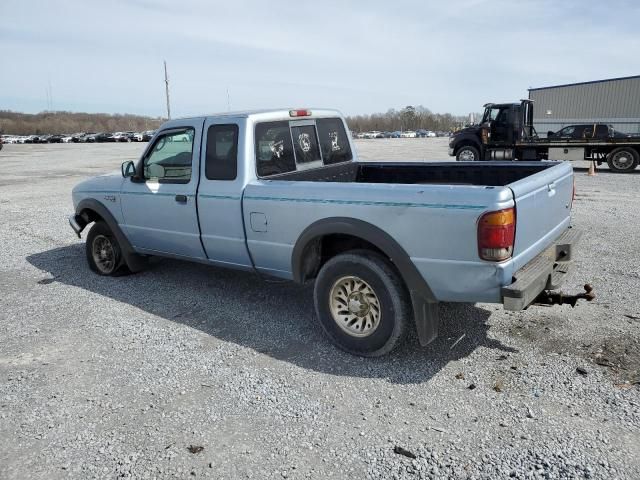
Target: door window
566	131
499	115
222	152
169	159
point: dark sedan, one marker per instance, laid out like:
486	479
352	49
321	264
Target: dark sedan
599	131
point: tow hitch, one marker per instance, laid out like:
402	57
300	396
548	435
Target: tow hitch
558	298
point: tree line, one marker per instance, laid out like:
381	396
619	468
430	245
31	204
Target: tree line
408	118
14	123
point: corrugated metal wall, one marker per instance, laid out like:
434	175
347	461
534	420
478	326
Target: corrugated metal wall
615	102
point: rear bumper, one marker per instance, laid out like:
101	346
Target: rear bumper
450	152
545	272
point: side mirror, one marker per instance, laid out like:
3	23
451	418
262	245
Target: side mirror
128	169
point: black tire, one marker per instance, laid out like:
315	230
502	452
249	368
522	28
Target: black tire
622	160
389	291
110	249
465	153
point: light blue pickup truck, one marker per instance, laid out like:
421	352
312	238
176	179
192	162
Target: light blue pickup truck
282	193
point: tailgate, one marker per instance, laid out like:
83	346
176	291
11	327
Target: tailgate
543	210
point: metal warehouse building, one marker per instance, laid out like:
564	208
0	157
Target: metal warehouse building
615	101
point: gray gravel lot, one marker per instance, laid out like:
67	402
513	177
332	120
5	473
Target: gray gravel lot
119	377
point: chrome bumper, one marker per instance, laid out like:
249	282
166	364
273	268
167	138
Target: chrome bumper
544	272
450	152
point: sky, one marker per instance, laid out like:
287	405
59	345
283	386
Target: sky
357	56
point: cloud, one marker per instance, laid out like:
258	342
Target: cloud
359	57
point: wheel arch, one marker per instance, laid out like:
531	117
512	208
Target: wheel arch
91	210
467	142
307	258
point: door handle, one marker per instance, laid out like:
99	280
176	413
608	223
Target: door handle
181	198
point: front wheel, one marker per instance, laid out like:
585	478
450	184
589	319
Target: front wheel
622	160
468	154
362	303
103	251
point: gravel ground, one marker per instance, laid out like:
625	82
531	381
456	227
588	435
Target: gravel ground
189	371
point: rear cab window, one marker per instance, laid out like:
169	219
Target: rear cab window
289	146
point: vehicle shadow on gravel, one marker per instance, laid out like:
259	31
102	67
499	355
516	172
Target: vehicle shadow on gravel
276	319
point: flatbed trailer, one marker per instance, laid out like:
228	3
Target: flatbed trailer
507	133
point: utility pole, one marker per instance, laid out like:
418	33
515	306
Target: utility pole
166	83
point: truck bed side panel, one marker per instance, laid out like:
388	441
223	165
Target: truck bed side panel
435	224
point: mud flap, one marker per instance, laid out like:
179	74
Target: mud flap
427	317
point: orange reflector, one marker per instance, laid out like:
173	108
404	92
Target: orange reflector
501	217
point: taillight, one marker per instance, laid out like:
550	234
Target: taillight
496	235
299	113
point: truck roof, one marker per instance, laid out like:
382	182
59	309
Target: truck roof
266	113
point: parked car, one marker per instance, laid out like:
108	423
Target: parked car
55	138
148	135
382	242
397	134
79	137
587	131
104	137
408	134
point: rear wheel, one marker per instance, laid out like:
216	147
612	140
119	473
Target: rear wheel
622	160
362	303
468	154
103	251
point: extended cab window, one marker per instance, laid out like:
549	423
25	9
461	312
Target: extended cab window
169	159
222	152
274	149
333	141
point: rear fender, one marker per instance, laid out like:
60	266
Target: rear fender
425	305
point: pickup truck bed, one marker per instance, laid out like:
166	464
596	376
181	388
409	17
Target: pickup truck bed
420	173
430	209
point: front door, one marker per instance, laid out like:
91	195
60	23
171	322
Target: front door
500	124
159	204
